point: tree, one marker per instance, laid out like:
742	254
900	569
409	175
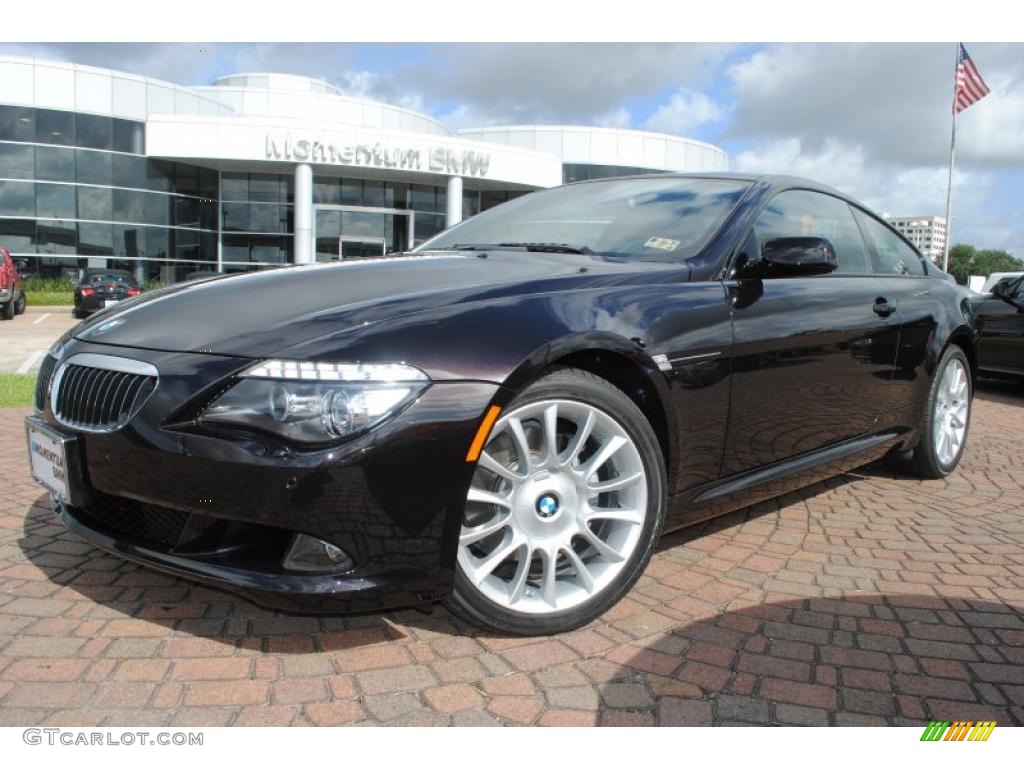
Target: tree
960	259
966	260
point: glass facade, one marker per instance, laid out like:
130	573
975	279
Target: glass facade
257	220
584	172
77	191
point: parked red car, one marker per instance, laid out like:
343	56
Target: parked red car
12	287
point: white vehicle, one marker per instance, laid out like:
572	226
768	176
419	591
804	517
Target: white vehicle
995	277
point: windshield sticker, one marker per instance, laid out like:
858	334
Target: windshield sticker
663	243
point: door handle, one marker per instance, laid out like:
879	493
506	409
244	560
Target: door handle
883	307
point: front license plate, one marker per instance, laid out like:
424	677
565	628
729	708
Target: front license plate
47	453
110	302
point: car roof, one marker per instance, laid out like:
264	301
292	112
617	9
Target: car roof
779	181
776	182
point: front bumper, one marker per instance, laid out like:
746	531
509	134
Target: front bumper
239	569
391	499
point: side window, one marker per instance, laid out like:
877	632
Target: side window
893	256
802	213
1015	286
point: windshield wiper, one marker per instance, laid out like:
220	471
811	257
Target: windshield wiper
538	247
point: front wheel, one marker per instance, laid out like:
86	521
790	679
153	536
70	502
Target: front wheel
946	418
22	303
564	508
7	311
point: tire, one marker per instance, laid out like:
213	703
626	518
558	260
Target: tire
541	551
22	303
927	460
78	314
7	313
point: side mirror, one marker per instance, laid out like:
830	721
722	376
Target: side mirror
20	265
796	257
792	257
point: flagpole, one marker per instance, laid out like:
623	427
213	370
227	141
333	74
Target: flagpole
952	152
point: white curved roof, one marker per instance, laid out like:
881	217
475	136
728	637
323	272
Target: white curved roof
273	95
49	84
277	81
608	146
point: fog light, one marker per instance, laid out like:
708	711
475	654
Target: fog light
310	554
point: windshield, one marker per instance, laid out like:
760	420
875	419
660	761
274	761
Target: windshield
667	218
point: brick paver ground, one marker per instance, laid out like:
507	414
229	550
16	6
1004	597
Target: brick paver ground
863	600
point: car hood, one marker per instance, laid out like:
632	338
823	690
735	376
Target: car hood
260	314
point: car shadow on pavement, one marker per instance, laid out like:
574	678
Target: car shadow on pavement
860	660
1000	391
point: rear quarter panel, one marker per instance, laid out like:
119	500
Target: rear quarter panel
933	313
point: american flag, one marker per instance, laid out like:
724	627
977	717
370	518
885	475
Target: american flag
969	85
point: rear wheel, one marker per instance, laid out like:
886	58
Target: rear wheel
564	508
946	418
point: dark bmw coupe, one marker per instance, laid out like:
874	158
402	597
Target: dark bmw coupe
511	415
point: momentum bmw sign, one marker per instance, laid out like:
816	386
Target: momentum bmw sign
435	159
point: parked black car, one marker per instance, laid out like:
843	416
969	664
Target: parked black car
511	415
100	288
999	317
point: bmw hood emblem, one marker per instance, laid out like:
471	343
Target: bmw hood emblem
107	326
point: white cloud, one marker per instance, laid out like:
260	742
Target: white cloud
992	130
684	112
838	165
558	83
616	118
894	100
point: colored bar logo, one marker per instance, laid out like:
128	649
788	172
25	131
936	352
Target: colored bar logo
961	730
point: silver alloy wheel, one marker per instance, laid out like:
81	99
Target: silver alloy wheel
555	508
949	417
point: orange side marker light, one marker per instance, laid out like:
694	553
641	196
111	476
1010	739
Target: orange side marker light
477	446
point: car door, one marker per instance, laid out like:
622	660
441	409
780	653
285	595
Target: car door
1000	324
813	353
917	297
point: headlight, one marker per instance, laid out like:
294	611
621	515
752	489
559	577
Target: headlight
316	402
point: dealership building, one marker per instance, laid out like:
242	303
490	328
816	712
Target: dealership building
109	169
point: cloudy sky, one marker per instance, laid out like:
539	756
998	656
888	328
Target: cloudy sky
870	119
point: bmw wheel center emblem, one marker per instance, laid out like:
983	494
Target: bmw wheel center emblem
547	505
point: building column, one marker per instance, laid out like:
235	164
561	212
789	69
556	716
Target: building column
454	201
304	214
220	220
